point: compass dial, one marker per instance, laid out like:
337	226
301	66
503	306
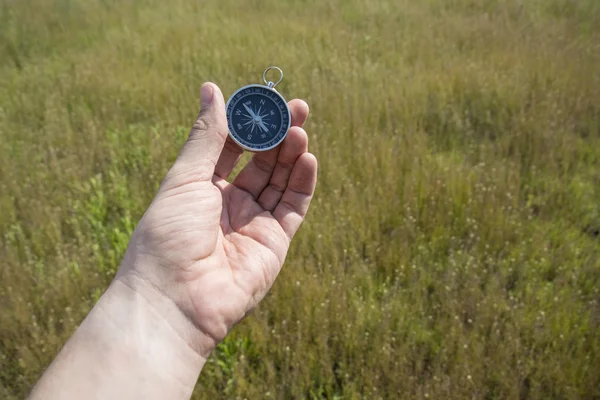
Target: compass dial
258	118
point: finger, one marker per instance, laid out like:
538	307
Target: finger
200	153
295	144
232	153
292	208
299	110
256	174
229	158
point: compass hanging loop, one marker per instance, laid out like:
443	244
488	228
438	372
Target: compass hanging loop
270	84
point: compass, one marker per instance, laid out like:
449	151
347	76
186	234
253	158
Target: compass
258	117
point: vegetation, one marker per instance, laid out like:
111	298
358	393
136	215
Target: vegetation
453	246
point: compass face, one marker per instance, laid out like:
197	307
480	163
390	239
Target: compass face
258	118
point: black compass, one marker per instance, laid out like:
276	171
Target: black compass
258	116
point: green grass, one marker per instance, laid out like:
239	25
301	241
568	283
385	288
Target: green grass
453	246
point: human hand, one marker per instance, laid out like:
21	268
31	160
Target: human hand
203	255
214	248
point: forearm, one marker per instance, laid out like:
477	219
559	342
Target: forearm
135	343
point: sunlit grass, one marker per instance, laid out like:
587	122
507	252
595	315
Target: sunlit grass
453	246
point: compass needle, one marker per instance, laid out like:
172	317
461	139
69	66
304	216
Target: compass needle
263	127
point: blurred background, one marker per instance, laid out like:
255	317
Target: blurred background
453	246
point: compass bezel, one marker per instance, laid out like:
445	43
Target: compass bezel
283	129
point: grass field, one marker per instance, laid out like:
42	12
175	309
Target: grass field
453	246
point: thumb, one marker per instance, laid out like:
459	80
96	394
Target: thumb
201	151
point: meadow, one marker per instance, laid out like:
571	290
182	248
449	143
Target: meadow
453	246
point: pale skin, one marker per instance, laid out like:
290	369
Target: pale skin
204	254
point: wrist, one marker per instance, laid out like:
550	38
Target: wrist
134	343
167	312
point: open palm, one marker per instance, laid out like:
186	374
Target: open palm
214	247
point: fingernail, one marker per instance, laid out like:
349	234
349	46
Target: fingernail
206	94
